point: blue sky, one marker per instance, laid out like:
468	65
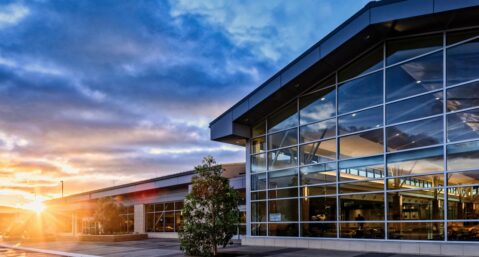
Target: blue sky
99	93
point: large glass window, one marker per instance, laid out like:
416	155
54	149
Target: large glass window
463	62
318	106
421	161
163	217
414	108
318	190
463	156
462	97
369	62
362	169
258	145
463	231
283	178
361	186
368	119
318	209
415	134
360	93
283	158
362	207
258	182
258	163
362	230
318	152
463	178
318	174
463	203
318	229
416	204
414	77
258	211
361	144
463	125
284	118
282	229
403	49
283	138
283	210
416	182
317	131
416	230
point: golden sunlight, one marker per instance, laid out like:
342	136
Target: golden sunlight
35	206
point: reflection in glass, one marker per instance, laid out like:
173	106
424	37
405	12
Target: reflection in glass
258	162
360	93
362	230
463	156
283	138
283	178
318	209
318	174
415	134
258	182
284	118
414	77
463	125
258	195
259	129
317	106
416	182
462	62
258	211
283	193
317	131
421	161
463	203
416	231
361	144
368	119
416	205
282	229
463	231
169	221
318	230
361	207
329	189
258	145
361	186
258	229
283	158
458	36
403	49
317	152
369	62
362	169
414	108
283	210
463	178
462	97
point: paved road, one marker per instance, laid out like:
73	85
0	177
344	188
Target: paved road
17	253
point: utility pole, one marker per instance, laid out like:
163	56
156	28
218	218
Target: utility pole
62	188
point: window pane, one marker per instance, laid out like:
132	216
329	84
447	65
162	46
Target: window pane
463	178
362	144
258	229
463	231
463	62
281	229
415	134
258	162
258	145
318	106
416	205
415	162
169	221
318	209
259	129
462	97
283	138
284	158
414	77
178	221
258	211
361	187
318	174
458	36
325	83
463	156
284	118
159	207
371	61
362	230
361	207
414	108
318	190
416	182
258	195
360	93
150	222
169	206
362	169
368	119
463	203
317	131
318	152
318	230
403	49
283	210
416	231
463	125
283	193
283	178
258	182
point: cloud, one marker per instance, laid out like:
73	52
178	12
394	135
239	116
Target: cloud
12	14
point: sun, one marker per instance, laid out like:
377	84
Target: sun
35	206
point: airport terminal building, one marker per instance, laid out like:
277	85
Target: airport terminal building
370	139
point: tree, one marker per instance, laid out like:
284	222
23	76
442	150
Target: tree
107	215
210	213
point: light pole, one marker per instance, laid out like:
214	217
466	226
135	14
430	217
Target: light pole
62	188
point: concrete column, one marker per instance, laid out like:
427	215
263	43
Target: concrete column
139	218
74	224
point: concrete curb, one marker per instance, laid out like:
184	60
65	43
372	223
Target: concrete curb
30	249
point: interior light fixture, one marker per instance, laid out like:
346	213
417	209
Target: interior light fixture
354	114
418	82
322	99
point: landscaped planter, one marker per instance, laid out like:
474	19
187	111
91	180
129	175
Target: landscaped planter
112	238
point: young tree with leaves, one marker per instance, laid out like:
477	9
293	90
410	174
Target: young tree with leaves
210	213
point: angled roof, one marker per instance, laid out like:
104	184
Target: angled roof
374	22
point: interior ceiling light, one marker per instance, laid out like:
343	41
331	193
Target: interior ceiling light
418	82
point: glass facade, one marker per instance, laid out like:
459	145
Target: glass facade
163	217
387	147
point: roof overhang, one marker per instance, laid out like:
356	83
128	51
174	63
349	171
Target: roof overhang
372	24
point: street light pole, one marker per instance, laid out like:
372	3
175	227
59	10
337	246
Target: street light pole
62	187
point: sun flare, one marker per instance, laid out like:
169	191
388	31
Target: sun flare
35	206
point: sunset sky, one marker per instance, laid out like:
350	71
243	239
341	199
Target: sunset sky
101	93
